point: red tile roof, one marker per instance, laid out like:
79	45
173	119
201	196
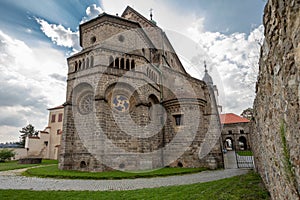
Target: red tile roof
57	107
230	118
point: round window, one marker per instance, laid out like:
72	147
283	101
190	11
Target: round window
85	105
120	103
93	40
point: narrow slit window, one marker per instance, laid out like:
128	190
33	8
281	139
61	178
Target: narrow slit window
178	120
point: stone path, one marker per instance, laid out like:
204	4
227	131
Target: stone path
230	160
11	180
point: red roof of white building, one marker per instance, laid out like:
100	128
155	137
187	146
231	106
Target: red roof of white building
230	118
57	107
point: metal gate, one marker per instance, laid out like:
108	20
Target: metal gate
244	161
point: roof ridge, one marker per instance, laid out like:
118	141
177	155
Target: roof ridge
139	14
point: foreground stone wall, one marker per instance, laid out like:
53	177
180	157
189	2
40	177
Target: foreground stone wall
276	138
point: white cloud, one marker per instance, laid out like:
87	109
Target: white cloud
26	87
235	58
91	12
60	35
63	36
167	16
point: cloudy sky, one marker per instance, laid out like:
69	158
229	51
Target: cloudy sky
36	37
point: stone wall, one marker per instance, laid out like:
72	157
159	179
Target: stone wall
276	138
145	116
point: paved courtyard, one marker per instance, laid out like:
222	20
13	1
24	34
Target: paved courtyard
13	180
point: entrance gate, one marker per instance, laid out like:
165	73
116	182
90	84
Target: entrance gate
244	161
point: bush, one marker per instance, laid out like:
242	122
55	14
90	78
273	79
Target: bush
6	154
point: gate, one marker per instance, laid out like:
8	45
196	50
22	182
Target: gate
244	161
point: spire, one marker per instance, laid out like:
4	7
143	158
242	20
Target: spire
207	78
151	15
205	66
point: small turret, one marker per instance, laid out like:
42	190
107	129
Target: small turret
207	78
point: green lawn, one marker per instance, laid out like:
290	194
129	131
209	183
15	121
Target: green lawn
244	153
53	172
10	165
246	187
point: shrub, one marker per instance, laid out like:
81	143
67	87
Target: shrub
6	154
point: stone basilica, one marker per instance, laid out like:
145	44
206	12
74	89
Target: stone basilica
130	104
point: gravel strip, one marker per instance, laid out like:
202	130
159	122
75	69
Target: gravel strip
11	180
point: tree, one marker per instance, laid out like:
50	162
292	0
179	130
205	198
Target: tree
27	131
248	113
6	154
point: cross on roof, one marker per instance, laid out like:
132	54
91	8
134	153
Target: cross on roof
151	13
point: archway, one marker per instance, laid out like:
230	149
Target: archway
228	144
242	143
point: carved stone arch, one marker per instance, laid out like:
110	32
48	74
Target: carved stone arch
117	63
122	63
127	65
87	65
228	143
83	63
243	143
153	99
79	65
75	66
111	62
122	89
82	97
132	66
92	61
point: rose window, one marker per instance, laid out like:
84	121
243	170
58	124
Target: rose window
120	103
86	104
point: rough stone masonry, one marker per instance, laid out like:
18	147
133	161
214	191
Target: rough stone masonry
276	137
130	103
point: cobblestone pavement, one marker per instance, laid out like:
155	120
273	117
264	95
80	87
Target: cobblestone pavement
13	180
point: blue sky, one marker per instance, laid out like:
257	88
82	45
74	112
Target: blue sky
36	37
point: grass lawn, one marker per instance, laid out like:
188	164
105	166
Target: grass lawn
246	187
244	153
10	165
53	172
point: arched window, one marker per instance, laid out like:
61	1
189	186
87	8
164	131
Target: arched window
122	65
117	63
79	65
87	63
83	64
228	144
127	66
92	61
132	65
243	143
76	66
111	62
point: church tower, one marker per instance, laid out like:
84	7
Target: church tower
130	104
